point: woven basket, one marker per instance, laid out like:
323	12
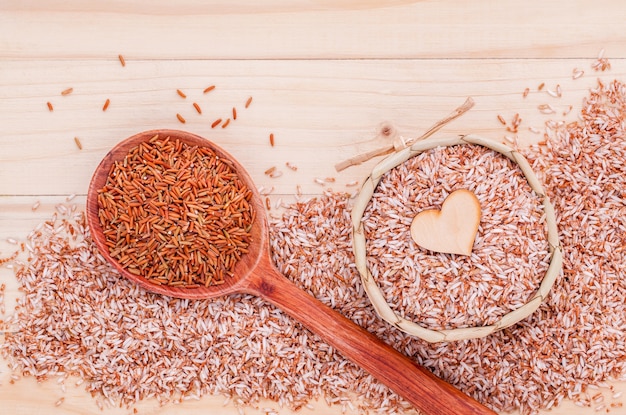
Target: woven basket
373	290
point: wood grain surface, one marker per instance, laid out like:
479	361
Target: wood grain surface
324	76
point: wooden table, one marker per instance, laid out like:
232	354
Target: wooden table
323	76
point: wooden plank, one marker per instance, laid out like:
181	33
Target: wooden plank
311	29
17	398
320	112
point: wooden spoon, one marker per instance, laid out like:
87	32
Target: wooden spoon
256	274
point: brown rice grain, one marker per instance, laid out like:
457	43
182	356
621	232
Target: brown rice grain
546	109
577	73
484	296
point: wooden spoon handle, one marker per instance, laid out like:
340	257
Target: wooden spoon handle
416	384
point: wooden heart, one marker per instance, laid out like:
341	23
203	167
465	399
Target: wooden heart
452	229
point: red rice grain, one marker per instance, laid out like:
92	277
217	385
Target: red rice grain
159	217
122	60
50	107
106	104
216	123
248	102
197	107
181	93
209	89
181	118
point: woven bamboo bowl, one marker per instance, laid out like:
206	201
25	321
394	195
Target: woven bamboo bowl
374	292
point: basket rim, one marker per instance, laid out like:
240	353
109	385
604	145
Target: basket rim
375	293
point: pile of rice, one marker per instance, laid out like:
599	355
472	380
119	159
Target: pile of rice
78	317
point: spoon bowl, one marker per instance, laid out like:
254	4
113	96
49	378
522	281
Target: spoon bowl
254	273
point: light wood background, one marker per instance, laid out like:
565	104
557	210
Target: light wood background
323	75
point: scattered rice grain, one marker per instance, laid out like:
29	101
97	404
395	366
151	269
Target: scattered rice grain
577	73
